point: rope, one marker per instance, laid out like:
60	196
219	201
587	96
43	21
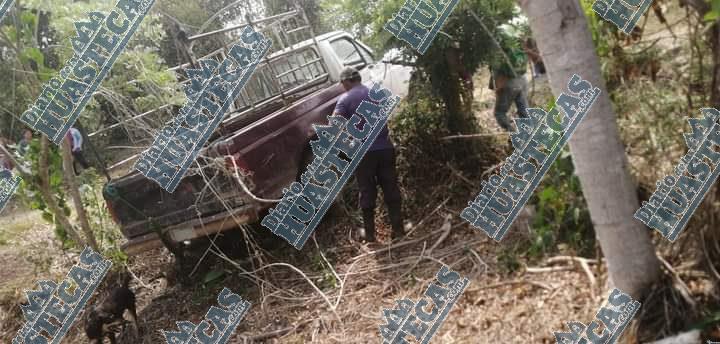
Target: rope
245	188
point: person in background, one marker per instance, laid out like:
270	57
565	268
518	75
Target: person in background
5	161
377	166
24	143
75	139
508	80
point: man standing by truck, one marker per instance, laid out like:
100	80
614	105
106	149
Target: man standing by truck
378	164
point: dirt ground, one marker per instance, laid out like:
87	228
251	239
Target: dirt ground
495	308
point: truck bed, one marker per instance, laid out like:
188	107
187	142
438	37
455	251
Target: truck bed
269	150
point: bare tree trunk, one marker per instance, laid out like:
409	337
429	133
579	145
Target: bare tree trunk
71	183
48	196
456	96
564	40
714	37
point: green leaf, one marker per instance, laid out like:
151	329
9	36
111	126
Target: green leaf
712	15
213	275
28	18
47	216
33	54
547	193
716	6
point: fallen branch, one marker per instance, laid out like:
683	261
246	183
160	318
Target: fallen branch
136	278
273	334
459	175
584	264
427	217
557	259
501	284
548	269
245	188
465	136
292	267
446	232
341	281
681	286
707	255
477	256
409	271
590	275
393	246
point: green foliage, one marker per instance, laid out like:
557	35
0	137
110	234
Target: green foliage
355	16
508	260
475	44
599	28
458	50
561	212
31	188
310	7
714	12
417	125
511	60
35	56
420	120
710	318
213	276
138	82
327	279
107	233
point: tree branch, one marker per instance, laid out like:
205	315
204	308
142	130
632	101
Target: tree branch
71	184
49	197
699	5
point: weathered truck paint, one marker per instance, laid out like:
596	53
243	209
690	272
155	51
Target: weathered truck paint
268	146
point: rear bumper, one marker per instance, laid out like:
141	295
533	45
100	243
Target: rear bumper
193	229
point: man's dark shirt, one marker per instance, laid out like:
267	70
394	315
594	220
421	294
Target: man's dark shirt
349	102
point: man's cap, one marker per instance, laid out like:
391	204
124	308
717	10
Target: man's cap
349	73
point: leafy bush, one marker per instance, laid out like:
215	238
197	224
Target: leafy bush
561	214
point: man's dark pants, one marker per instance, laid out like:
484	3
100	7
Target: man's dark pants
80	159
378	167
515	91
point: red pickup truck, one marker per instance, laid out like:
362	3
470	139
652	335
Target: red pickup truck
263	142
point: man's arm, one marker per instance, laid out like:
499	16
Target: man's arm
341	108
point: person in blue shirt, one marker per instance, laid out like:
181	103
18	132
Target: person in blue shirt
377	166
